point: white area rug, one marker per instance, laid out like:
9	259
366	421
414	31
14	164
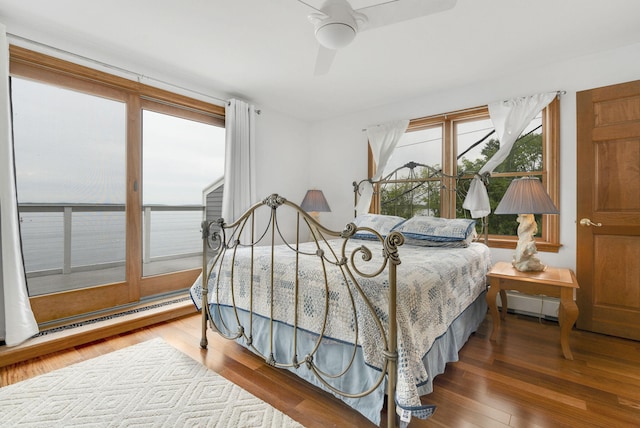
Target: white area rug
150	384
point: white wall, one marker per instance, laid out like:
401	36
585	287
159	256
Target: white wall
282	155
339	147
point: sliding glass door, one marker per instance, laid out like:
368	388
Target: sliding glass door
110	176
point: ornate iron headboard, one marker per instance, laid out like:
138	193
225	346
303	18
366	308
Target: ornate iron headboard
416	188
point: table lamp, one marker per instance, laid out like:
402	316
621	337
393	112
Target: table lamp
314	203
526	197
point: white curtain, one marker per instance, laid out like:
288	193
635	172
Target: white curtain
17	318
383	140
509	119
239	168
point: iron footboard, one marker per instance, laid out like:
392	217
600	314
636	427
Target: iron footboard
244	281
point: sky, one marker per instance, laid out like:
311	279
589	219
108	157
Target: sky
70	147
180	158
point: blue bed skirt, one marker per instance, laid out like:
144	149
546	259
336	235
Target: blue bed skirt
334	355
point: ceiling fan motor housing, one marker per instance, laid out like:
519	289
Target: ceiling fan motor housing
338	25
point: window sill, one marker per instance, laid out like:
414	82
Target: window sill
509	242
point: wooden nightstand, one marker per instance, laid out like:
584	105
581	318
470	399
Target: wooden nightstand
553	282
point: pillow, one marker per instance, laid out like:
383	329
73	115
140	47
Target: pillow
437	229
379	222
446	244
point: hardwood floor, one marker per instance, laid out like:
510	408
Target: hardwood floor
520	381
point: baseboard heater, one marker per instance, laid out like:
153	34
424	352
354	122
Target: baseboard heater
535	306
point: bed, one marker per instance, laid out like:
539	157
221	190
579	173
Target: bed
375	309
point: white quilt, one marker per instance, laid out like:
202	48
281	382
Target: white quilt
434	286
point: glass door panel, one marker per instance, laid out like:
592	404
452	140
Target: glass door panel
181	157
70	154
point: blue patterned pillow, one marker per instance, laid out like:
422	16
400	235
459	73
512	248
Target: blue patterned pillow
442	244
437	229
379	222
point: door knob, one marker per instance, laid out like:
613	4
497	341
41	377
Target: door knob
588	222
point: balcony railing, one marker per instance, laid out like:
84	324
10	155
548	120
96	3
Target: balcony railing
65	238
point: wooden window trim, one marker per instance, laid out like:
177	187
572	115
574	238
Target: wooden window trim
27	61
550	239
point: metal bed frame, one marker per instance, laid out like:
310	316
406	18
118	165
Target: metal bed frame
259	226
251	230
420	178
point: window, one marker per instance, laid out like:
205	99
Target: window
108	172
459	143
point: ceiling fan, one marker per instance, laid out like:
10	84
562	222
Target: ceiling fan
336	23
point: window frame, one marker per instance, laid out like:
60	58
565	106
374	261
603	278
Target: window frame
549	241
137	96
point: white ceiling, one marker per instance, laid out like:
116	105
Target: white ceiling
264	50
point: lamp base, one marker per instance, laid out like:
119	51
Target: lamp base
525	258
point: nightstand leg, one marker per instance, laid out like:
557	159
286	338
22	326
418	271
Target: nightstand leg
567	318
505	305
493	309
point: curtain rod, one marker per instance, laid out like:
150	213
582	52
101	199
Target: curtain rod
113	67
466	110
558	93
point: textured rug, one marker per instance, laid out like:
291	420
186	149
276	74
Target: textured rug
150	384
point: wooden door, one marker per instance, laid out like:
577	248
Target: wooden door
608	209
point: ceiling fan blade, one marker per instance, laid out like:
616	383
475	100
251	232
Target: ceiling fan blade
402	10
324	60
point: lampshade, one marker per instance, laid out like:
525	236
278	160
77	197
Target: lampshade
314	201
526	196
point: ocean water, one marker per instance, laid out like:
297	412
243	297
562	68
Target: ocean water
99	237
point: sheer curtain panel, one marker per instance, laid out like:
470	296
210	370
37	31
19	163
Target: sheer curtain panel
509	119
239	167
17	322
383	140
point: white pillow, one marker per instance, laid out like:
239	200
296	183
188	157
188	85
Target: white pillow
379	222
